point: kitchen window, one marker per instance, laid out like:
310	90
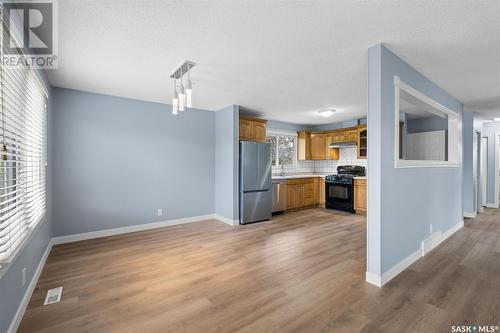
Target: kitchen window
23	156
283	147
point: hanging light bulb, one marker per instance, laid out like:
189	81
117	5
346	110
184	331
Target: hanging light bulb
189	92
175	101
182	99
182	95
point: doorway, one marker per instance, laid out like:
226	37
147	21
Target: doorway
484	170
496	151
476	171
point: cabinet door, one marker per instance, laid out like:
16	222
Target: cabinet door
258	131
299	196
321	194
317	146
303	146
351	136
360	196
362	143
328	138
245	129
339	136
290	196
309	194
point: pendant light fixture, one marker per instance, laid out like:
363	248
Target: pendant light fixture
189	92
175	100
184	97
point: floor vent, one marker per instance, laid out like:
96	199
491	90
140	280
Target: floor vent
53	296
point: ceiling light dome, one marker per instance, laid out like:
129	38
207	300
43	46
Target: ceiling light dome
326	113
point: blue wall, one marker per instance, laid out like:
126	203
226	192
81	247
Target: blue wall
117	160
226	162
278	125
399	214
427	124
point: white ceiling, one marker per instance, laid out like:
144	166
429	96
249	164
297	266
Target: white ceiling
282	60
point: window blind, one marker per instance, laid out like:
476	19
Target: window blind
23	150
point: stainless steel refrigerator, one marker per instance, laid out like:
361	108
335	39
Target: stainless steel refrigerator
255	182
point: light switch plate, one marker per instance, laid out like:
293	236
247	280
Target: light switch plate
159	212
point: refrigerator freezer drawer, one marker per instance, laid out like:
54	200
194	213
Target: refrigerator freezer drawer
255	206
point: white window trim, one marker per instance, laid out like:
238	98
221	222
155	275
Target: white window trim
453	136
271	132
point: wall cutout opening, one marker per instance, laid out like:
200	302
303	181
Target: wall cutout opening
426	132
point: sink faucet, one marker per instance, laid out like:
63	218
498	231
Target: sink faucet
282	170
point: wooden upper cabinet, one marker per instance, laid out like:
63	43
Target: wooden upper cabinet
338	136
317	146
351	135
259	131
362	142
245	129
252	129
303	145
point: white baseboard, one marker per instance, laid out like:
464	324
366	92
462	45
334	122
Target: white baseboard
452	230
401	266
128	229
470	215
481	209
491	205
226	220
14	325
430	243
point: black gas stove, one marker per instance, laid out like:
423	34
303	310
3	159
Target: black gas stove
339	188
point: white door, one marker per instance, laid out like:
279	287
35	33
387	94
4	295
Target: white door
427	146
484	168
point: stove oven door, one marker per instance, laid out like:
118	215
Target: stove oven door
339	196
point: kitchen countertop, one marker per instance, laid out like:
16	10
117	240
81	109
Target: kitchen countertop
297	176
306	175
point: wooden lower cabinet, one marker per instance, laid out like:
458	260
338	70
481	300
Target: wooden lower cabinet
360	196
321	192
293	196
301	193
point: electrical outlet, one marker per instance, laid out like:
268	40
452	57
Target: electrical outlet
430	228
24	276
159	212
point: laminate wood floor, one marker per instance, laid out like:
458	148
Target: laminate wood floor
302	272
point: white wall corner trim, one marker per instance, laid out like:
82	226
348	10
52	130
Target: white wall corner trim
427	245
128	229
470	215
374	279
29	291
226	220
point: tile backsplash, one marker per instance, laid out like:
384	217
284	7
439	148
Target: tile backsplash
348	156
